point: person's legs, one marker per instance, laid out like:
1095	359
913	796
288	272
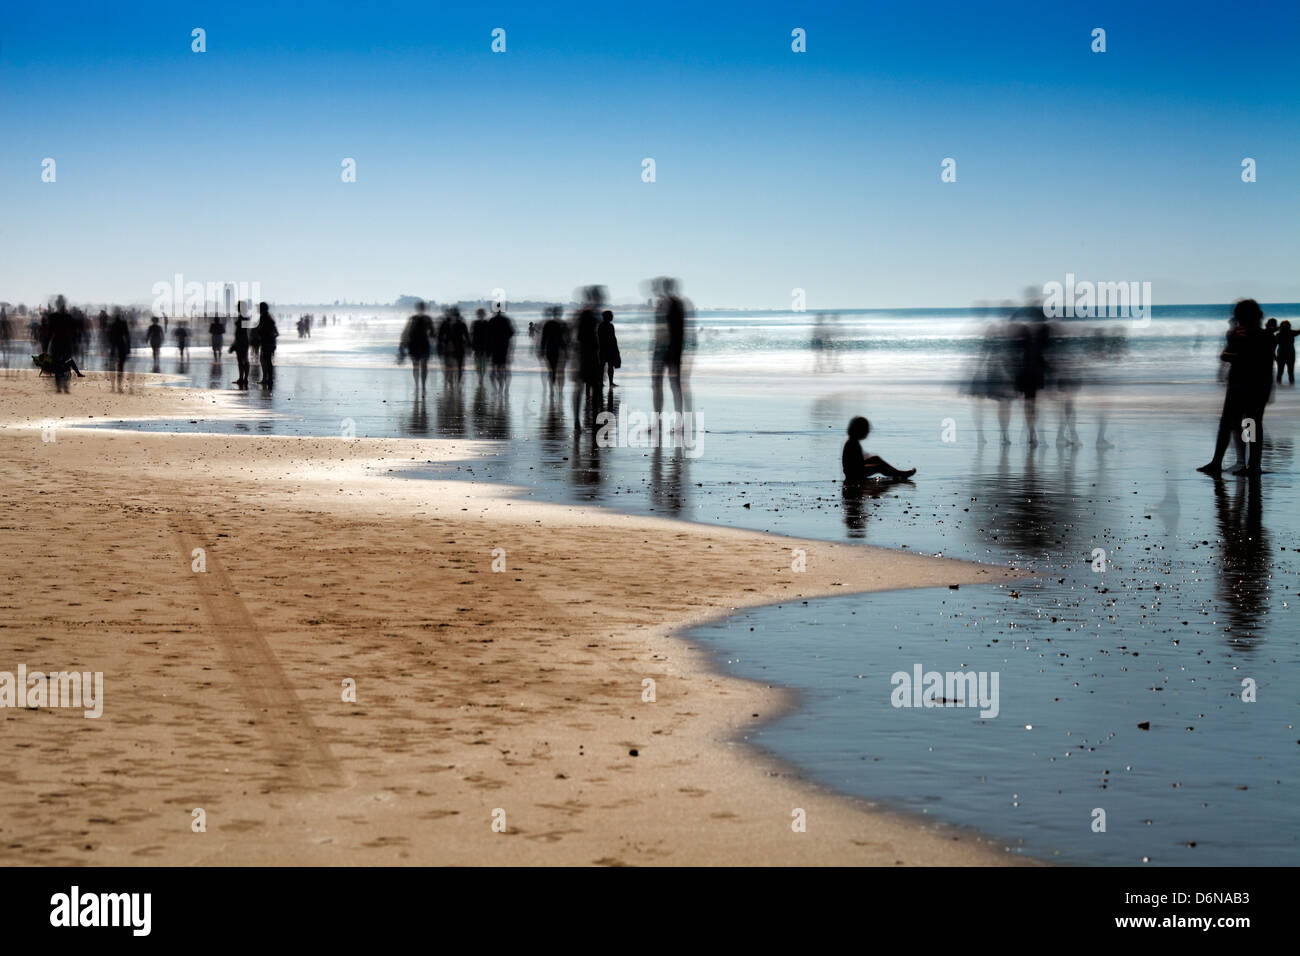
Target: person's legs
1229	422
1253	457
657	383
878	466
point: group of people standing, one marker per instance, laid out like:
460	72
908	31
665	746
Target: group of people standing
259	339
588	346
1028	356
489	340
1250	351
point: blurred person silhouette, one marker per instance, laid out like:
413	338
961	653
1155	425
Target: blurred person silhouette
479	341
154	336
670	346
858	465
6	335
1285	353
240	346
1249	354
182	334
553	346
825	344
1032	339
993	376
586	353
417	342
217	334
453	337
267	334
1104	347
119	345
101	327
607	340
500	334
61	344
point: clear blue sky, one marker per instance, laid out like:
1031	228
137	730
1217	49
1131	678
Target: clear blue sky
775	170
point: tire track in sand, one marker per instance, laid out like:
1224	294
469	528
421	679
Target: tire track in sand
299	749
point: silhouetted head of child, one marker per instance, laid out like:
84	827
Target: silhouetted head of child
1248	314
859	428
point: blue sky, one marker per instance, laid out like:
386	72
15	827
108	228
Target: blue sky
775	170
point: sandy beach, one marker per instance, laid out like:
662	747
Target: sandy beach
476	691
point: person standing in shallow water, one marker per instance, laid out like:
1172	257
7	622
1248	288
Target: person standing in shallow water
119	345
240	347
417	342
1249	354
217	331
858	465
1285	340
267	333
154	336
610	358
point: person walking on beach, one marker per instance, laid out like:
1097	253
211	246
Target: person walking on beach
6	333
607	338
119	345
154	336
1249	354
1286	351
1032	338
453	338
670	346
61	344
858	465
267	333
182	334
500	335
480	341
240	347
217	330
586	356
553	346
417	342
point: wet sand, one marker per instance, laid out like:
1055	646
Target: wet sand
476	691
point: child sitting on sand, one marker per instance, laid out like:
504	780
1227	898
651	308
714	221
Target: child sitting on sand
858	465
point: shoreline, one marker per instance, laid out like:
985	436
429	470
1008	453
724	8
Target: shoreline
206	483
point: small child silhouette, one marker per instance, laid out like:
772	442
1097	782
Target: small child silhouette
858	465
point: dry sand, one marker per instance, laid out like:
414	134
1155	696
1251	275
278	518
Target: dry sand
475	690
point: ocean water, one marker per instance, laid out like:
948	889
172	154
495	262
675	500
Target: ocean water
1194	597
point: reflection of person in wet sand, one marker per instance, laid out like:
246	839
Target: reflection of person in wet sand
1245	564
858	466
